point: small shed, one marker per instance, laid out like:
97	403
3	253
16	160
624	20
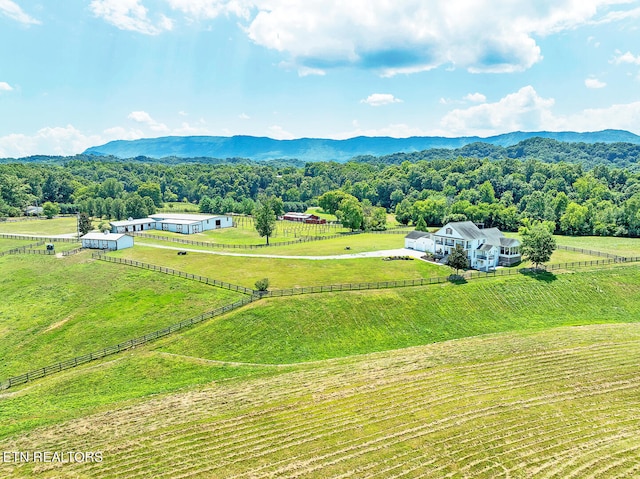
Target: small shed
419	241
107	241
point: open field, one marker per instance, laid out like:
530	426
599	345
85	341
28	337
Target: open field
179	207
356	243
54	226
284	272
316	210
9	244
331	325
54	309
557	403
609	244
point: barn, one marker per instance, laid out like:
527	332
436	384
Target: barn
190	224
304	218
107	241
177	222
131	225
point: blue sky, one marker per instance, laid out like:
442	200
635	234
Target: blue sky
78	73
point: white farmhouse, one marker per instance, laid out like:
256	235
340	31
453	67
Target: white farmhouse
106	240
485	248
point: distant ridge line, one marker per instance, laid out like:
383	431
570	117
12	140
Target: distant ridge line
322	149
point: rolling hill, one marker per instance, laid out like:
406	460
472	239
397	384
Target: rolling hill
318	149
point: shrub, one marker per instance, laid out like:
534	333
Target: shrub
262	284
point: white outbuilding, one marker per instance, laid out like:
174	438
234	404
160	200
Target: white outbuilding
107	241
419	241
190	224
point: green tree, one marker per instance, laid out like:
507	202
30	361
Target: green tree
152	190
574	221
50	209
330	201
84	224
403	212
350	213
118	209
421	225
135	207
265	219
487	193
458	259
538	243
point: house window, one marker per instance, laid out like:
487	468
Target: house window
449	231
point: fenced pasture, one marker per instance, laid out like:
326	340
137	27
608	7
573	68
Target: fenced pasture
282	272
558	403
53	310
9	244
54	226
610	244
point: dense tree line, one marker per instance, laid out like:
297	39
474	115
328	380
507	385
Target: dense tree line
602	201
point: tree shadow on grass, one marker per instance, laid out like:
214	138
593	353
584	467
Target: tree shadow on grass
539	274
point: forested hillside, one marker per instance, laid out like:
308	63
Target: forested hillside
602	201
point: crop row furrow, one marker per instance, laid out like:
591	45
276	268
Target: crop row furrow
418	431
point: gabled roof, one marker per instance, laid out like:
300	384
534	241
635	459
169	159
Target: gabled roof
467	229
509	242
183	216
103	236
417	234
486	247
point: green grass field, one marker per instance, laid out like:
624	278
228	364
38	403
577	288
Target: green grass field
54	309
55	226
519	376
284	272
9	244
179	207
556	403
331	325
608	244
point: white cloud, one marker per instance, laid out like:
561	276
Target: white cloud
10	9
522	110
244	116
594	83
279	133
129	15
306	71
145	118
379	99
208	9
417	35
475	97
627	57
48	141
4	86
621	117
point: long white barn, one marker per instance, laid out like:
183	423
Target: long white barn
176	222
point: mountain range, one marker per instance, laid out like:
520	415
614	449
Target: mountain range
318	149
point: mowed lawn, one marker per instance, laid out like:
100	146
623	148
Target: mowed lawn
54	309
355	243
607	244
54	226
557	403
331	325
284	272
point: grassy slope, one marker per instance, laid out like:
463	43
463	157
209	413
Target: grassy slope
54	309
518	405
9	244
314	327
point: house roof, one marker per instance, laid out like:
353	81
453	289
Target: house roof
140	221
103	236
486	247
179	222
467	229
417	234
509	242
183	216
